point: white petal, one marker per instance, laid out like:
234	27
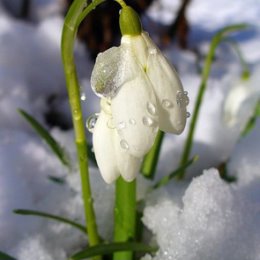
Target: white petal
135	115
128	165
172	100
137	46
103	143
239	104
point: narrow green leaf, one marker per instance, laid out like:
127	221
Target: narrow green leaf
4	256
216	40
44	134
252	121
105	249
223	172
50	216
151	159
165	180
57	180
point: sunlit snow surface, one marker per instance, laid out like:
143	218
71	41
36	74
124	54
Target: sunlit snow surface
201	218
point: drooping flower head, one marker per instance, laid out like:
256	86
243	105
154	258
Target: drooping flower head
140	94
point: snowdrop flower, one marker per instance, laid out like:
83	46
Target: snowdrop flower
140	94
241	100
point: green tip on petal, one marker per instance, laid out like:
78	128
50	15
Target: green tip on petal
245	75
129	22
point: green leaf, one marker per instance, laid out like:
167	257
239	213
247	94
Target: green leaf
216	40
50	216
43	133
4	256
56	180
151	159
252	121
165	180
105	249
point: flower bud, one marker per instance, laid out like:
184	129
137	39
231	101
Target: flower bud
129	22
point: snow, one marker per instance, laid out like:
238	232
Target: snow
215	221
202	217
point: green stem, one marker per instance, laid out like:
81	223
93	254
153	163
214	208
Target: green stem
86	11
121	2
124	216
67	47
151	159
205	74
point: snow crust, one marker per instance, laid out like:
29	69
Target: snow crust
201	218
214	221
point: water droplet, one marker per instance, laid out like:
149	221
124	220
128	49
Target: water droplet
124	145
111	123
187	101
187	114
165	253
121	125
132	121
147	121
151	108
76	114
152	51
105	78
83	96
91	122
166	103
182	98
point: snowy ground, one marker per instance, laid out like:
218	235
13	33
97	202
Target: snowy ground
201	218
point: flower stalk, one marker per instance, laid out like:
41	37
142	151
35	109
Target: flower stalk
70	28
124	216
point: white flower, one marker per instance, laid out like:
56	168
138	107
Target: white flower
141	93
241	101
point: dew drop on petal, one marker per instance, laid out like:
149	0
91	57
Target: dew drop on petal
166	103
124	145
187	101
187	114
105	80
111	123
182	98
151	108
121	125
91	122
147	121
152	51
132	121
